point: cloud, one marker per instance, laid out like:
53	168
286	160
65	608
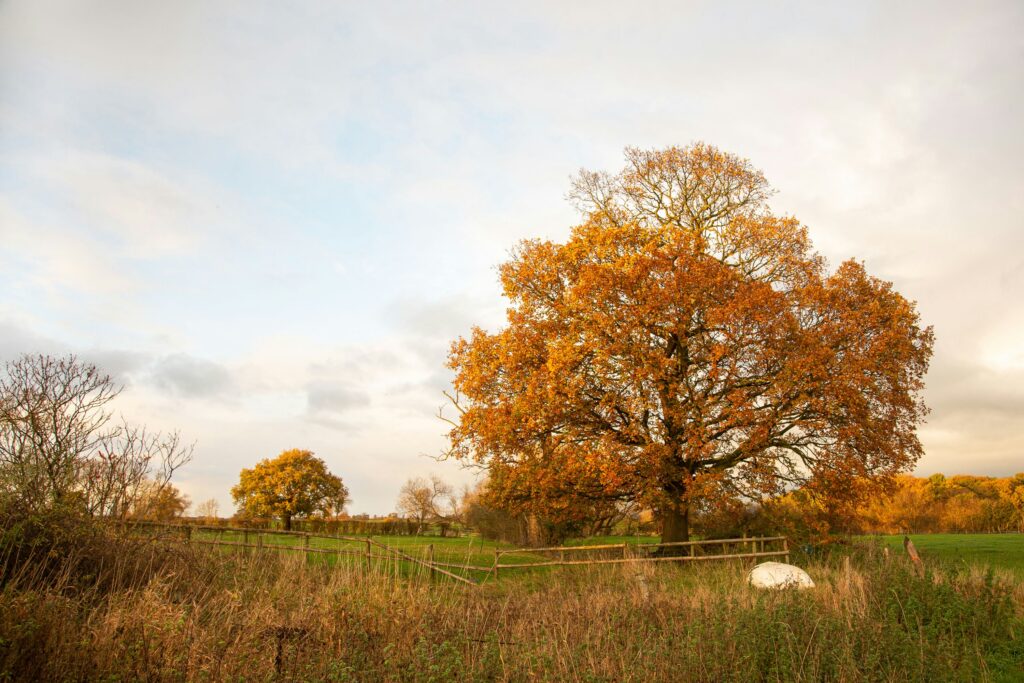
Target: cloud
16	340
189	377
123	366
54	260
148	214
446	317
325	398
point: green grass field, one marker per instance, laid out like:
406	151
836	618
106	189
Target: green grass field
1000	551
472	550
464	551
468	556
606	540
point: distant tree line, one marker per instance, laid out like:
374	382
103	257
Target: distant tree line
935	504
957	504
343	525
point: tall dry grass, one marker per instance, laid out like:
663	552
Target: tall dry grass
197	615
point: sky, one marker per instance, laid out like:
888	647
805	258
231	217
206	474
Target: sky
269	220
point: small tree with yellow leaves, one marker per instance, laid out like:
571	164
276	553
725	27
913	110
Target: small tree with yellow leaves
294	484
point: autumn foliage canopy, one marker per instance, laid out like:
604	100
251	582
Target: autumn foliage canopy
685	345
294	484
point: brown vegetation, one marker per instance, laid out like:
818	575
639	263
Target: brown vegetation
936	504
214	617
957	504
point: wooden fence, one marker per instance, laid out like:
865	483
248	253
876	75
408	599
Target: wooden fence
682	551
371	550
253	539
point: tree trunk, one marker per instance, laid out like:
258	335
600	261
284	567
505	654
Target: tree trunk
675	523
675	528
287	522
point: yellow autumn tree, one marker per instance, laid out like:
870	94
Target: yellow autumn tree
956	504
159	501
682	344
294	484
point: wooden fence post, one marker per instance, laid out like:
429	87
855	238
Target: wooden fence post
245	540
368	556
497	558
908	545
305	544
259	540
785	546
625	551
430	559
188	534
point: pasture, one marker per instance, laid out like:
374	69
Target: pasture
470	559
457	553
1000	551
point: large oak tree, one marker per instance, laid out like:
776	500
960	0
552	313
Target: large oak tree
684	344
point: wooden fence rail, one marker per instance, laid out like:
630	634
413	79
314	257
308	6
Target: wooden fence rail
433	566
753	547
387	551
716	541
643	552
621	560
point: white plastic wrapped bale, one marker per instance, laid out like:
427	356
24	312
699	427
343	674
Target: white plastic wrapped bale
778	575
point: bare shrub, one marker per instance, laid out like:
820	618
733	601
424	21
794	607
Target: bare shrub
61	448
427	501
67	469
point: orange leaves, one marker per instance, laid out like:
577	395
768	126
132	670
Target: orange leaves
295	483
937	504
684	334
